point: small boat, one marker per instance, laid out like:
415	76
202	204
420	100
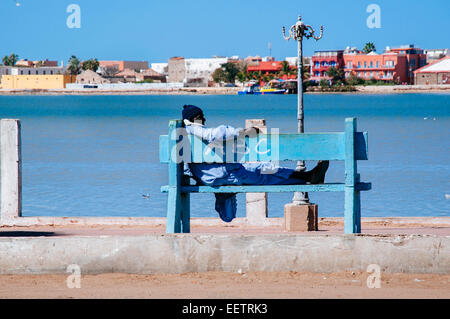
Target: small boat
270	90
250	88
273	87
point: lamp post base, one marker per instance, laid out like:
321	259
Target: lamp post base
301	217
300	199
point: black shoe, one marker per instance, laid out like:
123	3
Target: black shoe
318	172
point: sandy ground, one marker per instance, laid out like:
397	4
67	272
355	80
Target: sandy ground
139	227
221	285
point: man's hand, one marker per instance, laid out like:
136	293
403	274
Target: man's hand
251	131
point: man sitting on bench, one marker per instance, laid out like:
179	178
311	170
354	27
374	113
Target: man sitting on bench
260	173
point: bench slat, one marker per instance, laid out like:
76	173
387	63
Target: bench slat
328	187
291	147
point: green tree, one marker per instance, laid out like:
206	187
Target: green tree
285	69
243	75
369	47
74	67
5	60
218	75
337	75
226	73
230	72
324	84
10	60
91	64
306	74
354	80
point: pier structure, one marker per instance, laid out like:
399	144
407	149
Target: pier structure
139	245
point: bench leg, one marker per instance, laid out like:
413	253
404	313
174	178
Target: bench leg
352	213
185	213
173	224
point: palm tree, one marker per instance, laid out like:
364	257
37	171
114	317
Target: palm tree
10	60
91	64
13	58
306	74
74	66
285	69
5	60
335	74
369	47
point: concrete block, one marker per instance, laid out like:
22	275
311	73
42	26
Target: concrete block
301	217
256	203
11	169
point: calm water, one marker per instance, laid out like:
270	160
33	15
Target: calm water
97	155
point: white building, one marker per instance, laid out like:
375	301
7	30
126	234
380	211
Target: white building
37	71
436	54
292	60
201	70
160	68
193	72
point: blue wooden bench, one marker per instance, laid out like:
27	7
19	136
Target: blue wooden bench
349	146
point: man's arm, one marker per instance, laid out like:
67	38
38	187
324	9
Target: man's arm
211	135
220	133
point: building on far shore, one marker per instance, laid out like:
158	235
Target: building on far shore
436	54
31	77
252	60
48	81
321	61
120	66
293	61
161	68
397	64
388	66
415	58
42	70
437	72
35	64
271	68
90	77
151	75
194	72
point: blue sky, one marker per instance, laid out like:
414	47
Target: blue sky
156	30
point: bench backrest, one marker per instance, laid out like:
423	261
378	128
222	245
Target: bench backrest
348	145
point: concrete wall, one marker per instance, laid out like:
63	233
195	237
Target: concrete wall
432	78
230	253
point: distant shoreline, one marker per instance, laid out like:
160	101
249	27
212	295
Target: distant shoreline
387	89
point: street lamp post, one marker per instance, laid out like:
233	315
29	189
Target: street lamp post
297	32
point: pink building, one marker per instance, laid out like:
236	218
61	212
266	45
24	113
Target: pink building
321	61
122	65
393	65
